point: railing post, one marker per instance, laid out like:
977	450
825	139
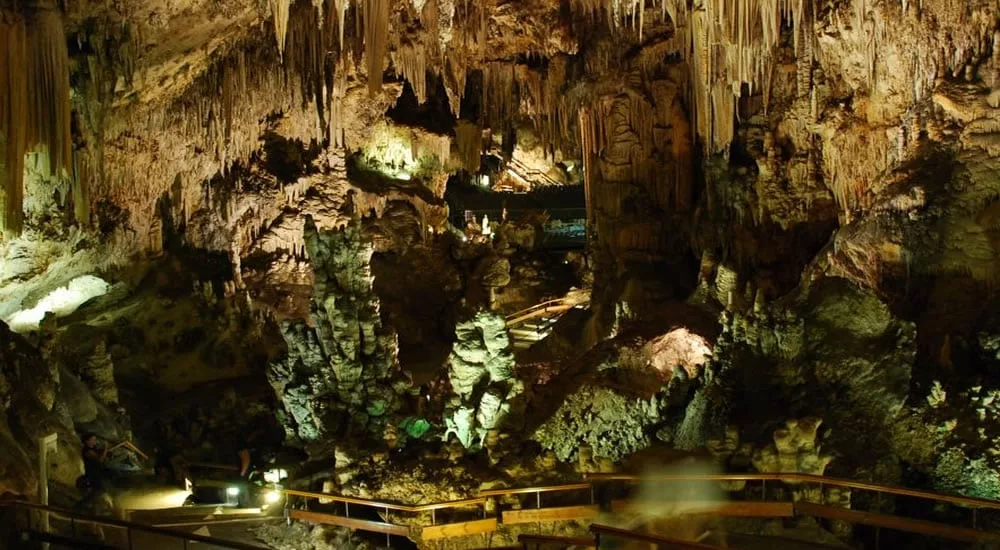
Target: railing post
763	489
347	509
46	444
433	516
128	532
974	510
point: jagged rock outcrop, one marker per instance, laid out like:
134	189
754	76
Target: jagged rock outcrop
339	373
481	371
794	449
37	400
839	353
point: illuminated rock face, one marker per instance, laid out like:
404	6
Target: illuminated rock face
833	165
481	371
338	375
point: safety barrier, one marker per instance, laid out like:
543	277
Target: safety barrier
557	305
87	531
607	532
589	510
877	520
434	530
473	516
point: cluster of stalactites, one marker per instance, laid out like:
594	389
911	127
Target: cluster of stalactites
730	46
34	103
727	43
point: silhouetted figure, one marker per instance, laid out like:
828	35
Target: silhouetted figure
94	471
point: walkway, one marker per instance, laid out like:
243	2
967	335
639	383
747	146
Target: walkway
531	325
751	496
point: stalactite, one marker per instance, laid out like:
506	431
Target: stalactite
500	98
469	141
375	14
454	83
336	126
340	11
410	61
34	102
279	14
13	117
588	150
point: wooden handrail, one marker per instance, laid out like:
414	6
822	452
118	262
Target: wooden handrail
568	301
667	542
575	541
786	477
529	490
920	527
389	505
78	516
917	526
540	305
808	478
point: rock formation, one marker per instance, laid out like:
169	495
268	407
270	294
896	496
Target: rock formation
781	210
338	376
481	372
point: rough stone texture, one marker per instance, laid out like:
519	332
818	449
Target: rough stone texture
34	405
853	368
338	375
481	371
794	450
847	197
613	425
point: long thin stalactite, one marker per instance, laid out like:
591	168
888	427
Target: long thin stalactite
34	104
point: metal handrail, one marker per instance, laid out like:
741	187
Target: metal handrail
129	526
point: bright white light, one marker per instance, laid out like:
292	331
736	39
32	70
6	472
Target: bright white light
233	491
275	475
272	497
60	302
